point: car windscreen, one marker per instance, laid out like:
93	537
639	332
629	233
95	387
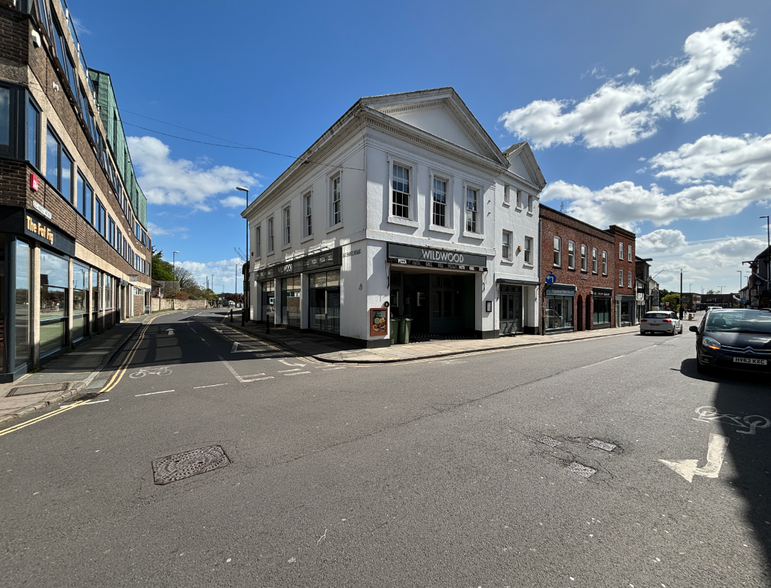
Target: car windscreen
658	315
740	322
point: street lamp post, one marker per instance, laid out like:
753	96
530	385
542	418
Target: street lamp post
768	251
174	275
247	279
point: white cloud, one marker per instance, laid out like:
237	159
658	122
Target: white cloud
746	159
233	202
704	264
619	114
659	241
156	230
626	203
181	182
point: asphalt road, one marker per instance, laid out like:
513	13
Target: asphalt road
605	462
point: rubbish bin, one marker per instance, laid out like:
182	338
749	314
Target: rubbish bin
404	330
394	333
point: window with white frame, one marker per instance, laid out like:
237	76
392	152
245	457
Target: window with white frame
257	242
530	203
620	278
400	191
472	210
583	257
604	263
529	250
629	278
507	195
307	215
506	245
621	252
287	216
557	251
629	253
521	198
594	260
439	211
335	200
270	235
571	255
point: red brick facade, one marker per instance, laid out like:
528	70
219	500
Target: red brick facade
584	258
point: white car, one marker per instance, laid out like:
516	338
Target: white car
660	321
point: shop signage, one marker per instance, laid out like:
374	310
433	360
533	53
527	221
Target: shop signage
41	210
329	258
428	257
34	183
561	290
602	292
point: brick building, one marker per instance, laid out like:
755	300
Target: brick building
74	249
625	298
585	292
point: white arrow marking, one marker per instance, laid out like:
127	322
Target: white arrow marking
170	332
715	454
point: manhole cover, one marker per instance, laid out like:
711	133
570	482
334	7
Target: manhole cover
179	466
581	470
39	389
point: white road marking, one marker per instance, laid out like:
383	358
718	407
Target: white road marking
603	361
152	393
715	455
209	386
242	380
87	402
285	362
297	374
285	371
342	367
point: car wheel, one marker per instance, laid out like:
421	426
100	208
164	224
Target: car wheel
681	328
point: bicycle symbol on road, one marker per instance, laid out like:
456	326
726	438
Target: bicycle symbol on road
750	422
156	371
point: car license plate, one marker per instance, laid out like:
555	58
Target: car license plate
750	360
655	324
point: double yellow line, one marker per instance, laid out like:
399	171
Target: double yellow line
114	381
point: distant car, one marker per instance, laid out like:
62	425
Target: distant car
734	339
660	321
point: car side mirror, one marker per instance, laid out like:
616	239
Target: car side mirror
694	329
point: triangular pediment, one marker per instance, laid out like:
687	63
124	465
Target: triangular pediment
522	162
440	113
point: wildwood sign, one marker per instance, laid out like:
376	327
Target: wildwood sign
428	257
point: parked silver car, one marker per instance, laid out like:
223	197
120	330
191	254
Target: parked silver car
660	321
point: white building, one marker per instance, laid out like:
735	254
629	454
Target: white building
405	203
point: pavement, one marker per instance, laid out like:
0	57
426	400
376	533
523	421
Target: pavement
77	373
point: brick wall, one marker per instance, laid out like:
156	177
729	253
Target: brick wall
14	35
554	223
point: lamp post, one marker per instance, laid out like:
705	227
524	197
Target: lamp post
681	294
174	275
768	250
247	277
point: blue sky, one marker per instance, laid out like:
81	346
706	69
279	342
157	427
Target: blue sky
652	115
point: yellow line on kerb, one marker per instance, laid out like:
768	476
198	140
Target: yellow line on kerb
116	378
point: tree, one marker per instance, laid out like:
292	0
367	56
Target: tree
162	270
672	298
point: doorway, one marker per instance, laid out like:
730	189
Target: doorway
511	310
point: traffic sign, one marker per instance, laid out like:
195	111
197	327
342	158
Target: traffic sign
550	279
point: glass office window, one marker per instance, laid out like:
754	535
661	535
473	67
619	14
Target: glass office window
22	309
54	272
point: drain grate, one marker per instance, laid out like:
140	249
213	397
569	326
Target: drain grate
546	440
602	445
581	470
39	389
179	466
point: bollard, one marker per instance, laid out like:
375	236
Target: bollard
231	315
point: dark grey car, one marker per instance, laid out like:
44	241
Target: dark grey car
734	339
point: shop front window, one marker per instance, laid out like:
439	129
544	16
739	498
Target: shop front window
22	319
2	302
290	301
53	302
80	279
601	313
558	313
324	305
94	299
